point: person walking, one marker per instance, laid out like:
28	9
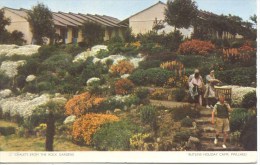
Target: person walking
209	94
221	110
196	85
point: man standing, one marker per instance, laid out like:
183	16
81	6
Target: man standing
221	110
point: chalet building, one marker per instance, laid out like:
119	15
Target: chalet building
67	25
145	20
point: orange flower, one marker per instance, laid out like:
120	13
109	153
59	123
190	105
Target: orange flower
123	86
123	67
86	126
80	104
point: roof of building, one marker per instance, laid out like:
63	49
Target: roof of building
123	21
72	19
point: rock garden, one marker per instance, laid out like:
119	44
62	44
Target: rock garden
124	95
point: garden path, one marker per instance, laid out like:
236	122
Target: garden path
204	125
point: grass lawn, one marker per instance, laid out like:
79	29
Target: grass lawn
15	143
7	124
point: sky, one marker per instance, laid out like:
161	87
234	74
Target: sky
122	9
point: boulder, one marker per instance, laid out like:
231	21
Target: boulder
92	81
125	75
117	110
70	119
30	78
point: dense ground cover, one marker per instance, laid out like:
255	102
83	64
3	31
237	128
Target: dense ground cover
108	92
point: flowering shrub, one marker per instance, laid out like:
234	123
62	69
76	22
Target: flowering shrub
159	94
176	66
123	86
238	93
80	104
234	54
137	141
123	67
86	126
171	82
196	47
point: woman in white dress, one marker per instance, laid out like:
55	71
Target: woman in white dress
209	94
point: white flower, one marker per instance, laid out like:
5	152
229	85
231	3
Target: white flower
95	49
238	93
10	67
5	93
30	78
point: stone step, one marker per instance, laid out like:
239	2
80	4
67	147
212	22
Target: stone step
206	113
203	120
206	128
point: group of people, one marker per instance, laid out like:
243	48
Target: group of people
220	112
198	89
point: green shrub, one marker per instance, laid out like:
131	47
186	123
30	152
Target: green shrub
248	137
33	65
142	93
238	119
57	62
138	77
5	131
148	114
111	104
149	64
114	136
73	49
157	76
6	116
191	61
4	81
132	100
182	112
249	100
102	54
238	76
243	80
183	136
180	94
172	40
186	122
46	51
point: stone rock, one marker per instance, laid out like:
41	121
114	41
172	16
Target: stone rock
194	124
117	110
125	75
193	140
5	93
93	80
30	78
10	67
70	119
108	112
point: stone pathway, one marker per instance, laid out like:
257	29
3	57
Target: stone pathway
204	125
208	134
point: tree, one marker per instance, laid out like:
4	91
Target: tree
93	33
3	22
41	21
181	13
254	18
